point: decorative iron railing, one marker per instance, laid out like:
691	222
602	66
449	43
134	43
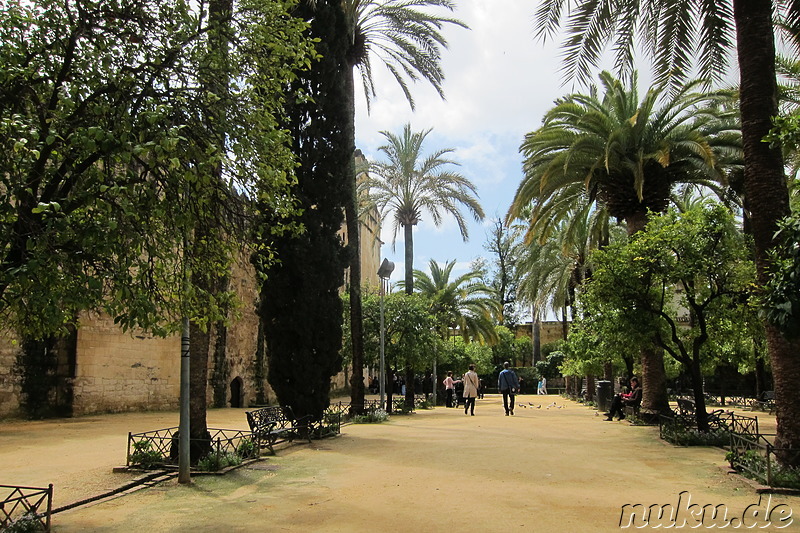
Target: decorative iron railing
757	458
26	504
160	447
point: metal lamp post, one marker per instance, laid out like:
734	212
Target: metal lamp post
384	272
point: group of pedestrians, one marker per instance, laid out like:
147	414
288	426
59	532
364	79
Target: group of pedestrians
508	383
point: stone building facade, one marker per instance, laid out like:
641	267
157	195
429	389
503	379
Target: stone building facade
108	370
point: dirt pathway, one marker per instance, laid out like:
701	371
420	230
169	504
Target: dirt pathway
547	469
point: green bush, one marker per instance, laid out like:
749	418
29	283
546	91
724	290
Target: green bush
247	448
373	417
753	464
144	456
217	461
684	436
27	523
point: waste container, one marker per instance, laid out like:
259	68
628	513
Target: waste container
603	396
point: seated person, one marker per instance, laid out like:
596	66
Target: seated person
633	398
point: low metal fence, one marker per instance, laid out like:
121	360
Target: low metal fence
758	458
160	447
26	504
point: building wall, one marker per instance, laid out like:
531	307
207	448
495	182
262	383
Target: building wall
9	381
116	371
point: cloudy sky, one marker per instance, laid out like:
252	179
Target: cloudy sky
500	80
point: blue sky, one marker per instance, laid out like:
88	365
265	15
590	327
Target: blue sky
499	82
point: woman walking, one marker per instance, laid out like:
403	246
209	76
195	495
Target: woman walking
471	383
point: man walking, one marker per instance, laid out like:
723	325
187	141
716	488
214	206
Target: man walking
508	383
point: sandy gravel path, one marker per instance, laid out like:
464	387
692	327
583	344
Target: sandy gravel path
558	469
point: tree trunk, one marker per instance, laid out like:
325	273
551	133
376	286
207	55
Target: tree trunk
654	383
654	379
199	344
354	250
410	382
765	187
408	243
699	397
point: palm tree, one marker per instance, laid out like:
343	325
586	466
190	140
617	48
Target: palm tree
628	154
408	40
407	185
673	31
465	302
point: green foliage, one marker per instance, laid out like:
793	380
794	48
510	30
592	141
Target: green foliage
682	284
406	39
27	523
464	302
247	448
626	152
681	435
456	355
144	456
107	164
377	416
781	300
551	366
215	462
410	330
510	348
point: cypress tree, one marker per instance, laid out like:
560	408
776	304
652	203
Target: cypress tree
300	306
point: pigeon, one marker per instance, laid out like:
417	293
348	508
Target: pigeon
551	405
539	406
529	403
522	405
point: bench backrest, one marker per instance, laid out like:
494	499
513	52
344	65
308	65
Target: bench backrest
686	406
275	416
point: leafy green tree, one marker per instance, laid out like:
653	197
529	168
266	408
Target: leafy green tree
782	292
106	168
409	184
405	35
628	154
300	307
675	32
681	283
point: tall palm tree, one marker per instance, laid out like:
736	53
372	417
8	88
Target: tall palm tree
628	154
465	302
407	39
674	31
409	184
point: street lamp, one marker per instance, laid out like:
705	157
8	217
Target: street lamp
384	272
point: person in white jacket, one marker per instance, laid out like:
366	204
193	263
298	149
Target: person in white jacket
471	383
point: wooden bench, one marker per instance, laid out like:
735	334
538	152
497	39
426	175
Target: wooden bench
275	424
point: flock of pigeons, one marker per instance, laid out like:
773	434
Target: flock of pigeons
540	406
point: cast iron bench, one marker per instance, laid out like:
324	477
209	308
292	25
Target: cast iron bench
765	403
275	424
686	411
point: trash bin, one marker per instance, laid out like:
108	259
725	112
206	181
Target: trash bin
603	396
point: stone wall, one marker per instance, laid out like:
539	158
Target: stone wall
118	371
9	381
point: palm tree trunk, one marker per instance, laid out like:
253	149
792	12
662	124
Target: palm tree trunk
654	379
354	248
765	187
408	243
